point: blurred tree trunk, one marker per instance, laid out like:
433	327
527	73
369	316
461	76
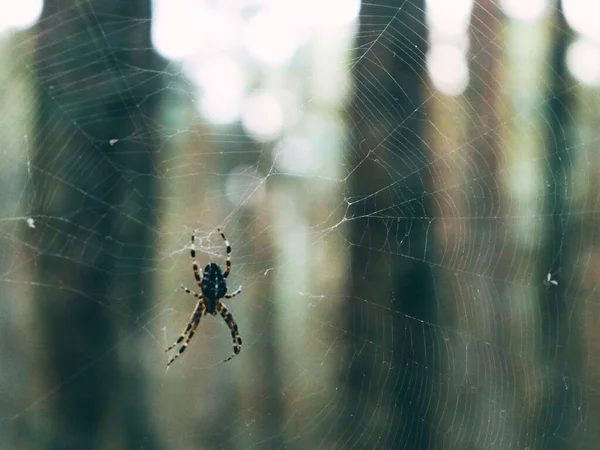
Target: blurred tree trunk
560	307
17	374
95	206
479	391
390	297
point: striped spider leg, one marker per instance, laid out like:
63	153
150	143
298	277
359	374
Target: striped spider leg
191	327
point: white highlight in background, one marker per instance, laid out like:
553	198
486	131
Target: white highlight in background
222	84
451	18
273	38
262	116
448	70
448	23
175	30
220	29
244	187
295	155
525	10
583	61
583	16
20	14
331	13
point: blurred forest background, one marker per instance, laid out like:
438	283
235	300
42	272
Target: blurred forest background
411	192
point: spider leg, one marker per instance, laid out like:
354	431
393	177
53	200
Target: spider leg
197	275
228	318
190	292
190	328
228	262
234	294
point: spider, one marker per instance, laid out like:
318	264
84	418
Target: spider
213	288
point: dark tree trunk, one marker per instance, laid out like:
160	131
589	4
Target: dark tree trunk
95	206
562	347
390	298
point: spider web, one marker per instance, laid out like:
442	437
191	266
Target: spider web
411	211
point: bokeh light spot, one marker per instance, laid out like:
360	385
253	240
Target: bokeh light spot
583	61
262	116
525	10
19	14
448	70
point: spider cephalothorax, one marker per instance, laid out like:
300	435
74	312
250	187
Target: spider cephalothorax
213	288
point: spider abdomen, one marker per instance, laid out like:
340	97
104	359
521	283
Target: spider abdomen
213	286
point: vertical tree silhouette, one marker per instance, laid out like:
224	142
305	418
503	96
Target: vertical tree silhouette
389	292
96	202
560	307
